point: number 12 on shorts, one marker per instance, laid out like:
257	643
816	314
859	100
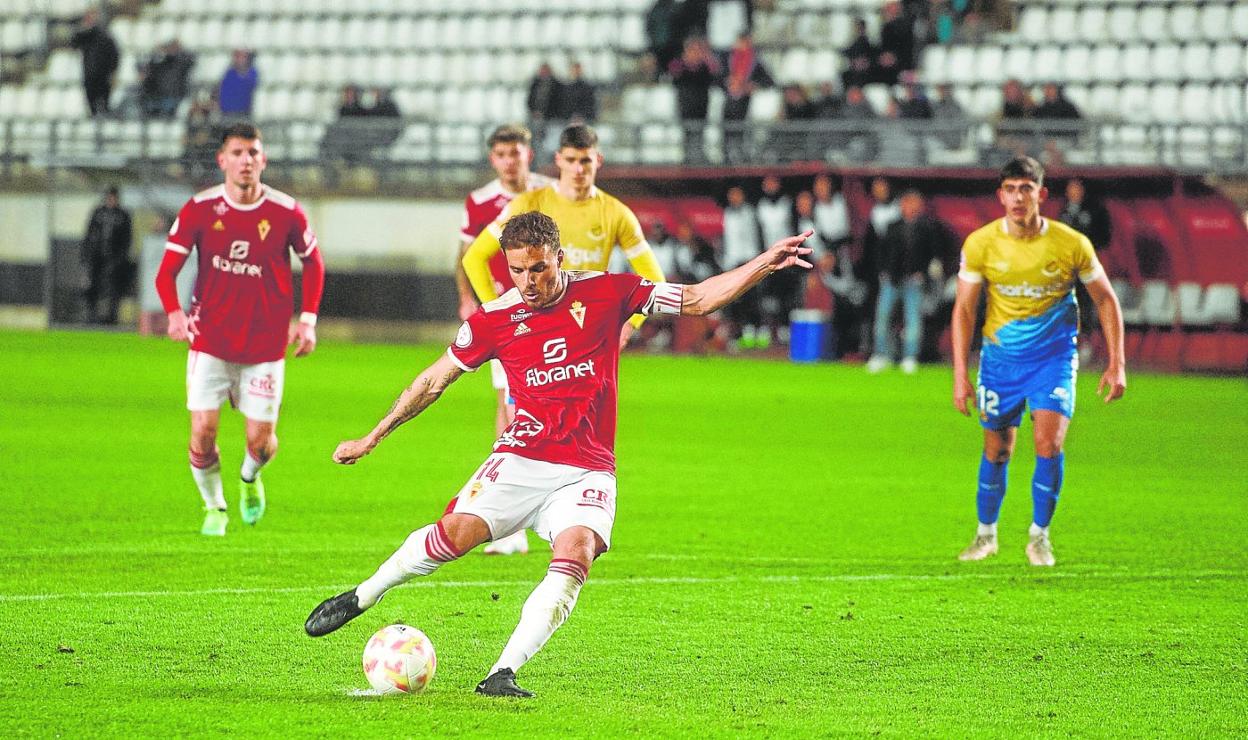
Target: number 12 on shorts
988	400
490	469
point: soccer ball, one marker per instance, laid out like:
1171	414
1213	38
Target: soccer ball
399	659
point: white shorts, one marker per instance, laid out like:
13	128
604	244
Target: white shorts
510	493
255	390
498	377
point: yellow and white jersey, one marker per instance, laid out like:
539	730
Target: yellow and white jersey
589	229
1031	302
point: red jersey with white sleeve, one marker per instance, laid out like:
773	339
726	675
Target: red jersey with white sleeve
562	363
243	297
481	207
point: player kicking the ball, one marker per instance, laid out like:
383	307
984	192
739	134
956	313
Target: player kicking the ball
239	326
553	469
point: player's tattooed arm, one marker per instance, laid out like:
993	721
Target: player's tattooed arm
715	292
424	390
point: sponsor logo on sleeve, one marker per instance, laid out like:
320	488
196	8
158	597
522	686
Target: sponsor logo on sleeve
464	337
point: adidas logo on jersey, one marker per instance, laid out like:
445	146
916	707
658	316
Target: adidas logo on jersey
523	328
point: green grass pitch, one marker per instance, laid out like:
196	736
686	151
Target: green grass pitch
784	560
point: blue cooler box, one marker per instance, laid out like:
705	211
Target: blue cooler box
808	333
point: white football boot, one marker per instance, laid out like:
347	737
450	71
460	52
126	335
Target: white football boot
516	543
1040	550
983	546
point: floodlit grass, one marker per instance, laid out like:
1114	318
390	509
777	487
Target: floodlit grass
784	560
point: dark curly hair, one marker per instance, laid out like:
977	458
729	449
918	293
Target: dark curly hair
532	229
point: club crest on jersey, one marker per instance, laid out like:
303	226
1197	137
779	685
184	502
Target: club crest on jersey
578	313
523	328
221	208
263	227
218	226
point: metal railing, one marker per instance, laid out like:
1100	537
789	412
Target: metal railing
412	144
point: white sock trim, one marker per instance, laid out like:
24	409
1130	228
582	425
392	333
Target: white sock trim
208	481
986	530
251	468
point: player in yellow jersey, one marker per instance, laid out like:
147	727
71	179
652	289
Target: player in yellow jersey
1029	265
591	223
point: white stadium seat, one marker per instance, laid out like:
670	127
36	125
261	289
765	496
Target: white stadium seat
1195	102
1102	101
1091	23
1106	65
1121	23
1165	62
1197	62
990	64
1134	103
1018	61
1185	22
1157	306
1063	24
935	58
1033	24
1239	21
1135	62
1164	103
961	68
1153	23
1077	64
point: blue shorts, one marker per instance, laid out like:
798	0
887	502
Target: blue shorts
1006	387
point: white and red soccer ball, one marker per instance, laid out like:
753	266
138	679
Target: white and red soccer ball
399	659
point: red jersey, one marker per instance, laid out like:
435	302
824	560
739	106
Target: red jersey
243	298
481	207
562	362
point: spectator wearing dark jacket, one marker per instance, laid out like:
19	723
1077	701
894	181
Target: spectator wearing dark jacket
580	100
544	103
100	59
896	45
693	74
860	57
168	79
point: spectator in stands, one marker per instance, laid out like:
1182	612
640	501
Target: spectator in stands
203	137
1016	107
693	74
168	79
896	53
663	31
942	23
100	59
781	294
349	105
745	73
742	242
952	118
914	102
907	251
1056	104
106	256
829	102
580	100
899	143
238	86
860	141
860	57
544	103
884	211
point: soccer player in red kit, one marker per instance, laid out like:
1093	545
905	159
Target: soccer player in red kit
510	155
240	322
553	469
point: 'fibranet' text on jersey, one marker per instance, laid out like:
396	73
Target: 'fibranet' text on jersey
561	363
237	244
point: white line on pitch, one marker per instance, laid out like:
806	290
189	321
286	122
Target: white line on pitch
652	581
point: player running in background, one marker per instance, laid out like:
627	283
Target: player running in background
1029	357
510	155
240	321
591	222
553	469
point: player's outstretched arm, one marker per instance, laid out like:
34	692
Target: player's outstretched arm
1114	380
424	390
718	291
964	307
